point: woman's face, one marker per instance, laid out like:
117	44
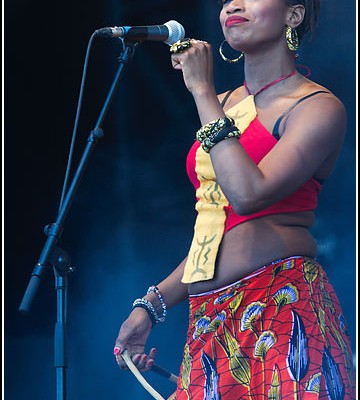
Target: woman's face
252	24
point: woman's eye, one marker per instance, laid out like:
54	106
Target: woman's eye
223	2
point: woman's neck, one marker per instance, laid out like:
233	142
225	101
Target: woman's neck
262	68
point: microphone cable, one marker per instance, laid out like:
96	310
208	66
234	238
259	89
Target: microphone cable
76	123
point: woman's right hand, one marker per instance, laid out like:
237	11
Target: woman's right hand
132	337
196	64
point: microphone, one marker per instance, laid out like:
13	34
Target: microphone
170	32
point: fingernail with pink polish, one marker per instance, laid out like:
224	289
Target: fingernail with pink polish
116	351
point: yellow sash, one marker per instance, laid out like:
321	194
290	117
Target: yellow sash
210	221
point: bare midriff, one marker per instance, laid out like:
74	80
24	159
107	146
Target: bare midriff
258	242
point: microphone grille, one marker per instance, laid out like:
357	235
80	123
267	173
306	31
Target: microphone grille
176	32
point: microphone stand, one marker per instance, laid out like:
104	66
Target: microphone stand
53	256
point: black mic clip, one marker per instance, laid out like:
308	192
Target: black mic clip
104	33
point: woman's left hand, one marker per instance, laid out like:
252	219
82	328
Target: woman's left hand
196	64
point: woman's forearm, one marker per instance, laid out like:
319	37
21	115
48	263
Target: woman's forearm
171	288
208	105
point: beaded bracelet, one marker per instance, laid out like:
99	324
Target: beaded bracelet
162	302
149	308
212	128
215	131
225	133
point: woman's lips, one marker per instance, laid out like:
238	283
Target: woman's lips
235	21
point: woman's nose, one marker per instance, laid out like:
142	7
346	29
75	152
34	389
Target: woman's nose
234	5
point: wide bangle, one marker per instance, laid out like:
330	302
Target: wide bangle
162	302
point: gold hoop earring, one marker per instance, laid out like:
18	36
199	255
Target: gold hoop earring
229	60
292	38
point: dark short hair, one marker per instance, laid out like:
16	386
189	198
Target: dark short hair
312	10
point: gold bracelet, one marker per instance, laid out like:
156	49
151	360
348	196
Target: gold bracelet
215	131
213	127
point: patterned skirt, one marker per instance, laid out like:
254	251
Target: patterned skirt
278	333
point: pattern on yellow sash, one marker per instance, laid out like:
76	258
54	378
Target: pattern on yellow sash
210	221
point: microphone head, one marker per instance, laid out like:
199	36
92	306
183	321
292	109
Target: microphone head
176	32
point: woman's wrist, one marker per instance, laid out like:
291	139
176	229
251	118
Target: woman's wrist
208	106
154	305
148	307
140	313
203	91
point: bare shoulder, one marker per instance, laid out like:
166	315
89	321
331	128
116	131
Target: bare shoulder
326	99
230	96
320	112
224	95
322	99
313	131
221	96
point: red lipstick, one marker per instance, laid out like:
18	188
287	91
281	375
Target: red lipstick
235	20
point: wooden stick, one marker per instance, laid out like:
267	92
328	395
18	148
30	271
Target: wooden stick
163	372
139	377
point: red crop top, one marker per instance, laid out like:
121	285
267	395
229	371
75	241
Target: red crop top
257	142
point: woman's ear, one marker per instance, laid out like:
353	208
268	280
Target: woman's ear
295	15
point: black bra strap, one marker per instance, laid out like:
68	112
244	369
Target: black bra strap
275	131
225	99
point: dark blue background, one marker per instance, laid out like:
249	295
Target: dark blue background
132	219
